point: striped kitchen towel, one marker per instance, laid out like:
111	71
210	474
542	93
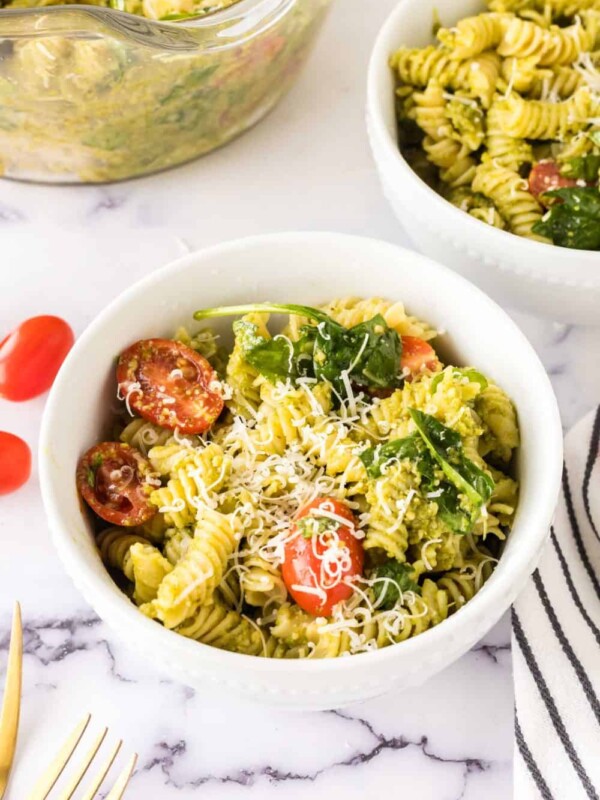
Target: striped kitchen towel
556	641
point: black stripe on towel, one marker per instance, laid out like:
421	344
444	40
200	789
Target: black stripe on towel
586	684
551	707
577	532
589	468
531	763
574	593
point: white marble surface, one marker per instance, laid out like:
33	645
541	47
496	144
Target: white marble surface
69	250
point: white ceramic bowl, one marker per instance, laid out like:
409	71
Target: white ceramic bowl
553	281
309	268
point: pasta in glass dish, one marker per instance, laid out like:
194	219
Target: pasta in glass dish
324	489
502	117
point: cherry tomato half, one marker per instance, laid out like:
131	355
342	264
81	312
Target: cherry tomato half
546	176
417	355
31	356
15	462
321	558
170	384
114	480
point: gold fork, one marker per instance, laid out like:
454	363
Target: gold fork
9	719
48	780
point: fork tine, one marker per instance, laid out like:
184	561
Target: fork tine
83	768
45	784
99	778
122	781
9	719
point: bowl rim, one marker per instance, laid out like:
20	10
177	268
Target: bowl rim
235	14
122	611
379	56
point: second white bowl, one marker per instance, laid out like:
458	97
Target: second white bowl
544	279
310	268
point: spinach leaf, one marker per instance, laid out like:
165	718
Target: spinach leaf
584	168
387	593
278	358
377	457
472	375
445	446
451	508
574	218
366	355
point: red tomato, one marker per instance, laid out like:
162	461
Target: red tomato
115	481
322	561
546	176
170	384
31	356
417	355
15	462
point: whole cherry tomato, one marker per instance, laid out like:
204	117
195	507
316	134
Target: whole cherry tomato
31	356
115	480
170	384
417	355
15	462
323	556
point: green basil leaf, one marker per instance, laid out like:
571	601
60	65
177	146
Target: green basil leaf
387	593
573	219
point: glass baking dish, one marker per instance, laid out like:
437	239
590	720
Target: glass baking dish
91	94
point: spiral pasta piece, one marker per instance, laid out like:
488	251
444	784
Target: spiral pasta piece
350	311
508	191
195	577
523	38
472	35
196	475
261	582
144	435
176	543
558	8
373	630
149	568
221	627
536	119
114	545
418	66
244	379
555	83
138	560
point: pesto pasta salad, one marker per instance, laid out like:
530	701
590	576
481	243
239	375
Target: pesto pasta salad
323	489
502	117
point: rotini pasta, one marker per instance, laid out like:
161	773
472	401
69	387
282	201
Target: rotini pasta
509	193
321	515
